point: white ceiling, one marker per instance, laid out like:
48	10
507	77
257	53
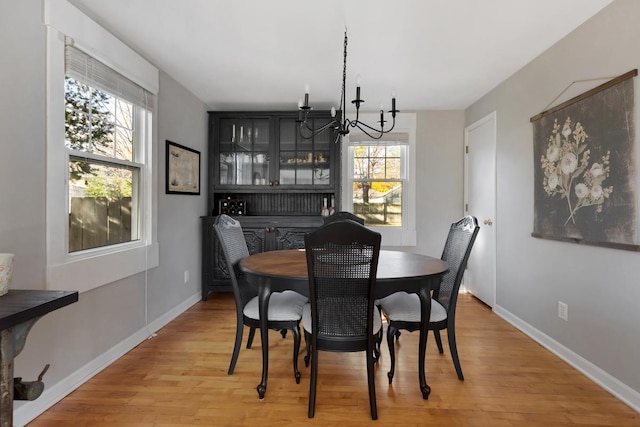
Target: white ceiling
259	54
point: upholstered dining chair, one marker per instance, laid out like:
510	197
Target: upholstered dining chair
342	215
402	310
285	308
342	260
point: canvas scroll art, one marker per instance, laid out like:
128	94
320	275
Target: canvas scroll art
585	168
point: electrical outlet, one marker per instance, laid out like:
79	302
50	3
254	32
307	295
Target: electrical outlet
563	311
186	276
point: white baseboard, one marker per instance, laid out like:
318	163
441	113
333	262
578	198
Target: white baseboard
613	385
26	411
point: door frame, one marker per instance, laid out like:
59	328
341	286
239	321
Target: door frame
489	117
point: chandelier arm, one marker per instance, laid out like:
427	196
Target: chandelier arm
361	126
314	131
363	130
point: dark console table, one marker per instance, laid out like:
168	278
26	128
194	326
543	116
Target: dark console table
19	310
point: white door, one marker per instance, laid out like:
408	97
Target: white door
480	201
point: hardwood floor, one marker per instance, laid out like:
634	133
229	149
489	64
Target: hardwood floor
179	378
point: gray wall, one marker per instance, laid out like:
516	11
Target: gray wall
81	333
439	172
599	285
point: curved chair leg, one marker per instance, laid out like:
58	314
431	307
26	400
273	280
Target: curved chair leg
313	382
296	349
378	342
436	334
307	357
252	333
391	333
236	347
451	334
372	384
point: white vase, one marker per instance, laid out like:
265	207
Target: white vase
6	272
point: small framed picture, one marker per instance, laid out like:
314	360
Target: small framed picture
183	169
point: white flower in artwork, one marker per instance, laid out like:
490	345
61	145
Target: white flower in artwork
596	192
596	170
553	152
581	191
569	163
553	181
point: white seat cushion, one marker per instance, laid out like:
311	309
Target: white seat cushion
306	319
283	306
404	307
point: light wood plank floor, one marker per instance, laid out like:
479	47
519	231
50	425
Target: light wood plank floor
179	378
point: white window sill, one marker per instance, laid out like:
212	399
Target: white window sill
91	272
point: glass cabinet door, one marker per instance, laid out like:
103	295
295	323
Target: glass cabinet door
244	152
304	157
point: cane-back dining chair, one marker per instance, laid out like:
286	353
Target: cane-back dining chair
342	260
341	215
402	310
285	308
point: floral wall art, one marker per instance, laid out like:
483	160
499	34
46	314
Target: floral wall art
585	168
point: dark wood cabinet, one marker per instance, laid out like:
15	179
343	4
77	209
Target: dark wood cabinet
280	172
262	233
265	159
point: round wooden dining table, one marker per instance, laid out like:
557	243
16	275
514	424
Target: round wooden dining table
277	271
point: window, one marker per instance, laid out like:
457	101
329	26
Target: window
101	102
379	180
105	116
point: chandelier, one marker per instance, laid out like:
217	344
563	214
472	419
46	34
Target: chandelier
340	123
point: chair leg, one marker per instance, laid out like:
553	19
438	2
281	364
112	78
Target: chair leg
453	348
252	333
372	384
307	342
313	382
436	334
236	347
391	332
296	349
378	343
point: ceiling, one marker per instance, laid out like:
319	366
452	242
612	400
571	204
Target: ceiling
259	54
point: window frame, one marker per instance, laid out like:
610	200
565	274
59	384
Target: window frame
404	235
91	268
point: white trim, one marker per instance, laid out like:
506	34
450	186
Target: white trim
27	411
391	236
491	117
608	382
86	270
98	270
100	44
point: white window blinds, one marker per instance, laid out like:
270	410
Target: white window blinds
86	69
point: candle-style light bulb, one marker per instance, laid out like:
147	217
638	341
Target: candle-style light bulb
333	111
306	95
393	102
